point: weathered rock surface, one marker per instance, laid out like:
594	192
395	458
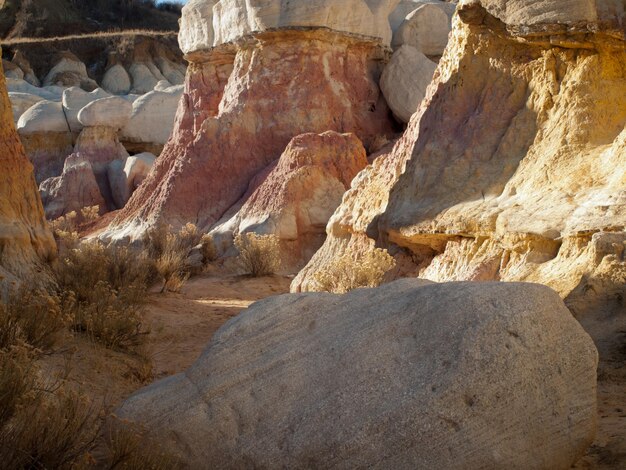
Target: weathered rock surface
404	81
152	117
69	71
126	176
208	23
21	102
426	28
408	375
25	240
512	169
75	189
106	112
44	116
297	195
75	99
283	83
116	80
22	86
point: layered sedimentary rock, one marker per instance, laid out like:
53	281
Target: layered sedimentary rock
25	240
294	197
243	103
408	375
513	168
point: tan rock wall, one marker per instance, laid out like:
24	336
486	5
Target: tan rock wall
25	240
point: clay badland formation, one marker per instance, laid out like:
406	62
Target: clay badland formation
291	127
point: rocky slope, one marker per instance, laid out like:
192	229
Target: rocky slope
25	240
513	169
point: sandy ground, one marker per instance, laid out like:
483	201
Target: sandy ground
180	327
182	324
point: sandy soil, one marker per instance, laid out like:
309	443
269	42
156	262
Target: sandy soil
180	327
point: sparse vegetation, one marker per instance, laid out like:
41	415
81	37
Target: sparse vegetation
348	273
41	425
104	289
259	255
209	249
170	251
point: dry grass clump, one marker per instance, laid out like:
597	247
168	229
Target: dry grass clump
104	289
41	426
170	251
259	255
347	273
209	249
128	447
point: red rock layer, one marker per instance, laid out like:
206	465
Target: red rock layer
231	125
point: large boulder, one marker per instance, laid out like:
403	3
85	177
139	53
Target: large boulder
196	25
405	80
153	115
75	99
107	112
26	242
21	102
296	196
426	28
69	71
143	78
408	375
116	80
44	116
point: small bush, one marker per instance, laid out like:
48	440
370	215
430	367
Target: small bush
56	430
35	316
209	250
104	289
347	273
170	251
259	255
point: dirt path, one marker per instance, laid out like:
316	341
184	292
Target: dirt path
182	324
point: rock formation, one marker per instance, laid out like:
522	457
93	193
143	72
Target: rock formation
294	197
408	375
25	240
512	169
244	102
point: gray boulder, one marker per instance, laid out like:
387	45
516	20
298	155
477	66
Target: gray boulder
408	375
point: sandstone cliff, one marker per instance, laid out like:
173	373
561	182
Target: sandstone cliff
514	167
25	240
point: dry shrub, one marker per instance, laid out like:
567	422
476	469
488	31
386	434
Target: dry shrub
89	214
209	249
128	447
40	426
104	289
65	223
348	273
259	255
55	430
33	315
170	251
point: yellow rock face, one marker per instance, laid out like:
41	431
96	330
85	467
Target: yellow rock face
25	240
513	168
